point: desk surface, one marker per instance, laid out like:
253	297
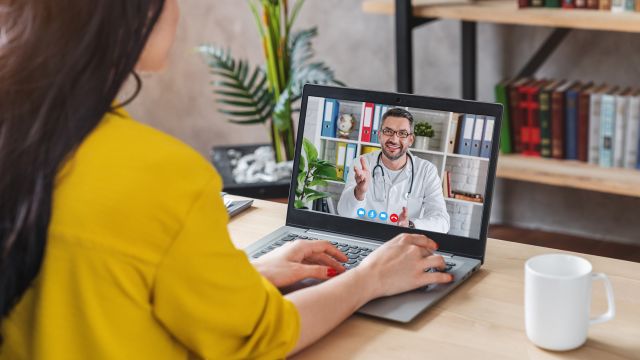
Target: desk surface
482	319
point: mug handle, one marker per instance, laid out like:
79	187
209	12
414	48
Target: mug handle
611	311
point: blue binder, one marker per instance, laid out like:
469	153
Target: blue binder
487	138
331	111
478	132
465	135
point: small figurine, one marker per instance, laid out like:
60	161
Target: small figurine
346	124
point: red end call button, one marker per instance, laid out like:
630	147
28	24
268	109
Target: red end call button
393	218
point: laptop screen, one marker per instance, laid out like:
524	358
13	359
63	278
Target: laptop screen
400	166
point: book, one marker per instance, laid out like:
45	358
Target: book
530	130
523	3
445	184
581	4
460	195
516	115
637	5
622	104
617	6
505	130
545	117
607	128
568	4
584	113
571	121
595	111
604	5
633	131
537	3
592	4
630	5
558	120
552	3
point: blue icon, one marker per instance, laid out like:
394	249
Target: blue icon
361	212
372	214
383	216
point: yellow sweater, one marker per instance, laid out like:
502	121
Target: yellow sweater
139	264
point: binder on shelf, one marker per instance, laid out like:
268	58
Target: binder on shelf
348	162
478	133
453	134
368	149
607	128
331	111
485	147
622	104
341	150
366	121
377	116
465	134
633	131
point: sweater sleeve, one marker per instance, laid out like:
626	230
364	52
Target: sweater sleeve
208	295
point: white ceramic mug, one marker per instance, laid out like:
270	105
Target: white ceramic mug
557	300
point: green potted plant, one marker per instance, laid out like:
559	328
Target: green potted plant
423	132
267	94
312	172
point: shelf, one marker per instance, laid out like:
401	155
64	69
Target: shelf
348	141
463	201
369	144
467	157
507	12
568	173
427	151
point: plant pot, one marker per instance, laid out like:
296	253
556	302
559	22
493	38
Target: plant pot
421	143
261	190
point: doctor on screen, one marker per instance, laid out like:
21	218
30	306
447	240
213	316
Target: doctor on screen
394	187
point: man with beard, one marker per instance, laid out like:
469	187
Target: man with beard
394	187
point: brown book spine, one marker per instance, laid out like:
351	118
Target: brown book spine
592	4
604	5
516	118
557	125
522	126
583	126
523	3
581	4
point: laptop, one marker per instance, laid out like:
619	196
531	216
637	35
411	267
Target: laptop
345	124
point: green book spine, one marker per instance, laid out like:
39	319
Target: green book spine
545	124
505	130
552	3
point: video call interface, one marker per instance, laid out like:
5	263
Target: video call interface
400	166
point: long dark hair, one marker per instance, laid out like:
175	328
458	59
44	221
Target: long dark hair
63	63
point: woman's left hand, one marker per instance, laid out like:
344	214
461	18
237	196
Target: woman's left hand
299	260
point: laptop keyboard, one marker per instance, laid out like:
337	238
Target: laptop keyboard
355	253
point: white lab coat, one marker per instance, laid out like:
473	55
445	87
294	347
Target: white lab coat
426	206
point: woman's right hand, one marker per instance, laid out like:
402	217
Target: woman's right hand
399	265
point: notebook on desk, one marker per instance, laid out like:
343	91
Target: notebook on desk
431	182
234	207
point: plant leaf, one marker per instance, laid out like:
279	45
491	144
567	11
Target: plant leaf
310	150
298	204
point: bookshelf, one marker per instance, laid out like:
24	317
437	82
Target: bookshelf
411	14
507	12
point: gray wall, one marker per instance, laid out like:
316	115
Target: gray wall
360	48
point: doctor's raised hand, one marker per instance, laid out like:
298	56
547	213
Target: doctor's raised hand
363	178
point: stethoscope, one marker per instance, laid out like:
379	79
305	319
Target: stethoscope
373	174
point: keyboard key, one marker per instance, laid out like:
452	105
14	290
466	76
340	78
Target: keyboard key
279	243
351	261
354	251
353	256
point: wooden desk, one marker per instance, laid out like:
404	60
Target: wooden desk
483	319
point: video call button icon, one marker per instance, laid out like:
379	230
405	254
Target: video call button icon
361	212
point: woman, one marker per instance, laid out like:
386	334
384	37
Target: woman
113	235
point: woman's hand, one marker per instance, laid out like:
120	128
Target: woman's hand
399	265
299	260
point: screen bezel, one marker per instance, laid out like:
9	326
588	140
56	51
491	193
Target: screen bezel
458	245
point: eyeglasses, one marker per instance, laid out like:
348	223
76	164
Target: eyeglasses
403	134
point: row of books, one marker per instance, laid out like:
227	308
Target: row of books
370	117
605	5
471	135
595	123
455	194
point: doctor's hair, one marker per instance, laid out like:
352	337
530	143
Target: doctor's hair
397	112
63	64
